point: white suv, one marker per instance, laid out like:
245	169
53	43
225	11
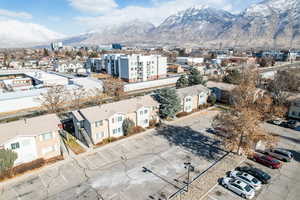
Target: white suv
239	187
247	178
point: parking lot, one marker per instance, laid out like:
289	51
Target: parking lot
285	181
115	171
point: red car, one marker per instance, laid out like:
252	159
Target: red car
267	161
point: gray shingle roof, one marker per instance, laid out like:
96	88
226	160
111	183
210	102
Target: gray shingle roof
191	91
29	127
125	106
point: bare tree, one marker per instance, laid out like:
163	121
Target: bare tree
242	123
77	97
97	96
55	99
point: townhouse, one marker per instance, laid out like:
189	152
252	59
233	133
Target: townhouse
105	121
222	91
193	97
32	138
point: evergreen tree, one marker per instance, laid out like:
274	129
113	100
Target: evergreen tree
127	126
169	103
7	159
195	77
182	82
233	77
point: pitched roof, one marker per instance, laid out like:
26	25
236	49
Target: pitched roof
220	85
191	91
125	106
29	127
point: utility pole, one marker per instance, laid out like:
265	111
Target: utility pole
189	167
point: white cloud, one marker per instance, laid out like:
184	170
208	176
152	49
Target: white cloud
18	34
155	13
22	15
94	6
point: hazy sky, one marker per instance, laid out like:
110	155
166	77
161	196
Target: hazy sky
71	17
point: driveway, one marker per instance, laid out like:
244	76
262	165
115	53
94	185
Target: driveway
115	171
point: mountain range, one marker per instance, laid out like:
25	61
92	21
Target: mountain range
270	23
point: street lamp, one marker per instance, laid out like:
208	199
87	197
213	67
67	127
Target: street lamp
190	168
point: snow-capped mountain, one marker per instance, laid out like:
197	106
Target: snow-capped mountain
273	23
14	33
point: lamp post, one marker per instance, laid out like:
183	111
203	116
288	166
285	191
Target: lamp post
189	167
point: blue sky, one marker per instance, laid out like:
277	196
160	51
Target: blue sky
71	17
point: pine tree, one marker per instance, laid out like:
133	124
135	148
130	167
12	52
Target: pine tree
169	103
182	82
195	77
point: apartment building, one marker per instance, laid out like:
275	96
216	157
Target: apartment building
100	122
135	67
31	139
193	97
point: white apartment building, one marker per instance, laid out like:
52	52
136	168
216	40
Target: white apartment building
135	67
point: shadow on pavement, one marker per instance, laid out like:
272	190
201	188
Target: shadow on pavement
295	140
191	140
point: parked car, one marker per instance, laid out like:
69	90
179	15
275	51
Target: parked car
289	124
257	173
267	161
280	154
275	121
247	178
239	187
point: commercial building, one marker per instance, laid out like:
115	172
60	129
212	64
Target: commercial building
31	139
135	67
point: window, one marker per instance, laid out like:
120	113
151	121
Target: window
98	123
99	135
115	131
145	111
294	113
46	136
188	99
48	149
146	121
15	145
119	130
120	118
141	112
113	120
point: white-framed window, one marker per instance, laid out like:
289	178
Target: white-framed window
115	131
146	121
46	136
15	145
98	123
119	130
48	149
120	118
188	99
141	112
145	111
294	113
100	135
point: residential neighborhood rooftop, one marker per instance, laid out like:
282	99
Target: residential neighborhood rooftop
106	110
191	91
29	127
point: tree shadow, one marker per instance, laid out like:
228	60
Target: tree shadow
192	141
295	140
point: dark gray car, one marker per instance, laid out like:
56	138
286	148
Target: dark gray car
280	154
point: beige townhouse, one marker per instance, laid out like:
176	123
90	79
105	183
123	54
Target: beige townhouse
193	97
105	121
32	138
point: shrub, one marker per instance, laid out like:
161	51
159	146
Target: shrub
137	129
7	159
152	123
212	99
20	169
182	114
